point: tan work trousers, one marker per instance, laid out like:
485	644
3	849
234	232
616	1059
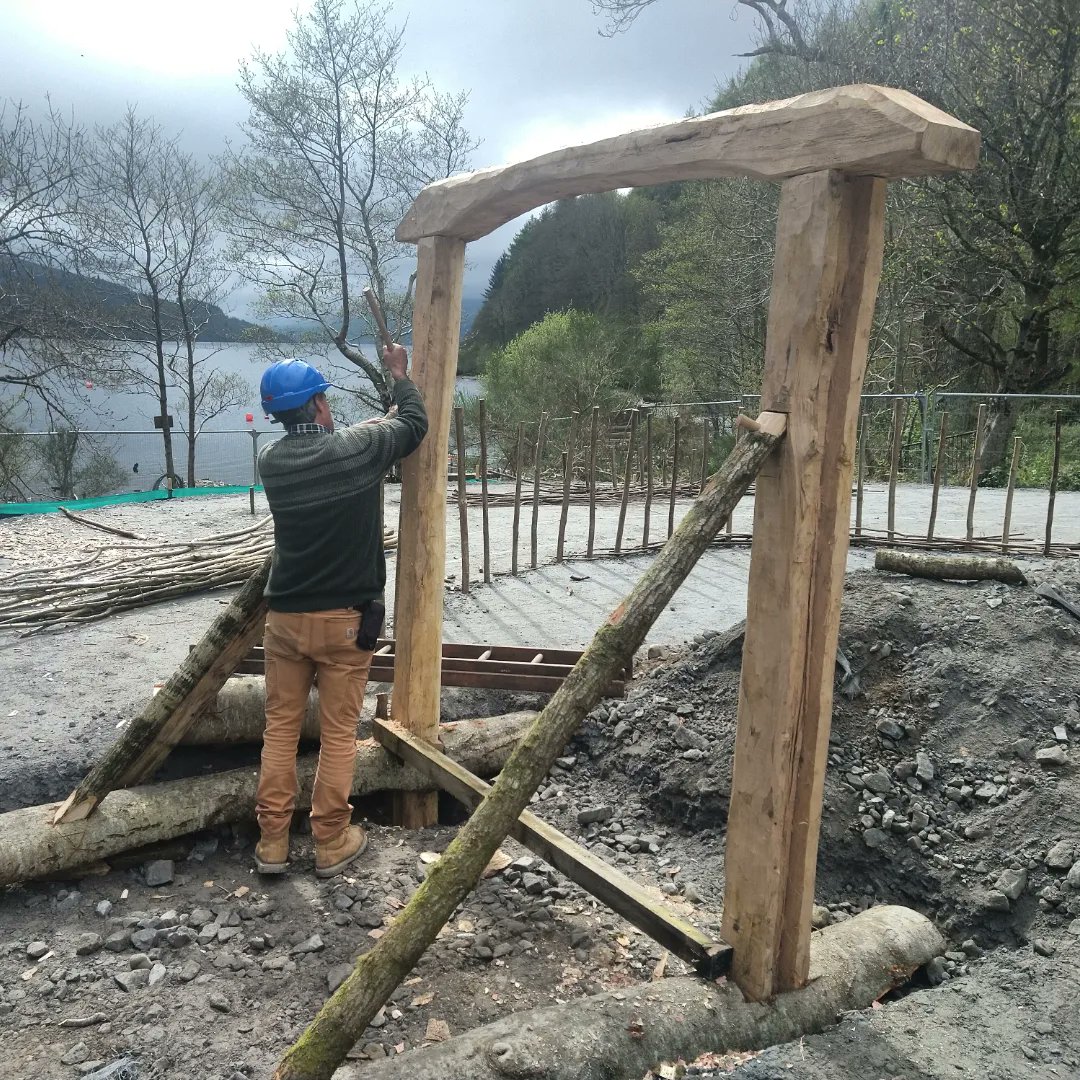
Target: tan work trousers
302	648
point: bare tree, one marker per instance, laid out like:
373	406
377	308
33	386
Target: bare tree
200	281
338	146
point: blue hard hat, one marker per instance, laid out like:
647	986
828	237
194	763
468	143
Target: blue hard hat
288	384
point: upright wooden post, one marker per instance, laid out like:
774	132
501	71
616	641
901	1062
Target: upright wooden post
976	462
894	461
704	452
568	476
484	490
537	465
674	477
730	527
462	496
518	470
1055	469
422	536
626	481
592	479
939	470
828	263
860	473
648	481
1006	525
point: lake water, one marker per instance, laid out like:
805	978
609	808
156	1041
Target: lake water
224	449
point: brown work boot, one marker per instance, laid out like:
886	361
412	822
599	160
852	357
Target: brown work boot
332	856
272	854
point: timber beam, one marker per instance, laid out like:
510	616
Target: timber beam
622	894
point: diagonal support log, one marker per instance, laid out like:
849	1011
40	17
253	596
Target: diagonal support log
342	1019
147	740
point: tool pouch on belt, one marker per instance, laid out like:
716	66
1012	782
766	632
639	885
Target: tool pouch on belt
372	615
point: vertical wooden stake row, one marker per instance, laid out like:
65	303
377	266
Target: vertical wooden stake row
828	262
422	543
704	452
462	496
731	516
939	471
519	468
894	461
1055	469
976	464
674	478
592	478
648	482
568	475
484	490
626	481
1006	525
860	473
540	433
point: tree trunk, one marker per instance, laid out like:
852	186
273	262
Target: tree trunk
625	1033
147	740
239	716
344	1017
134	817
949	567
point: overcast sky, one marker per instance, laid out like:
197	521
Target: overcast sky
539	73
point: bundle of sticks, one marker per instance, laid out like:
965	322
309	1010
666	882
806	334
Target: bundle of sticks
131	573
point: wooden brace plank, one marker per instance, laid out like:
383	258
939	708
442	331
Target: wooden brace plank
619	892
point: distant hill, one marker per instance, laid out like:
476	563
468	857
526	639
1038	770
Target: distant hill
294	329
117	310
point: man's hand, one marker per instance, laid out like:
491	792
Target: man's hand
396	360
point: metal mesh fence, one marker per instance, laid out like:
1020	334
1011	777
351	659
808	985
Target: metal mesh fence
87	464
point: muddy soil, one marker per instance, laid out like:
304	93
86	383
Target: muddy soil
953	787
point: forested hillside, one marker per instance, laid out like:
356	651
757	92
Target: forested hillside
981	289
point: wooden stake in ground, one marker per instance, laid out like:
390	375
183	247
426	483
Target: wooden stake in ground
949	567
462	496
422	545
519	468
148	739
1053	483
626	481
976	465
860	469
568	476
648	481
347	1013
939	472
1006	525
484	490
592	480
704	452
894	461
829	240
674	475
537	465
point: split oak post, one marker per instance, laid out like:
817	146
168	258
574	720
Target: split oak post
422	537
860	470
462	496
592	479
626	481
482	419
1006	525
674	475
976	463
894	462
518	470
648	481
1054	471
568	476
939	470
828	262
537	465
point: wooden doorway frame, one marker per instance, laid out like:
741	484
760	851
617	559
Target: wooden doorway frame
833	151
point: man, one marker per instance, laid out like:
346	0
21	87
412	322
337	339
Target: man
325	596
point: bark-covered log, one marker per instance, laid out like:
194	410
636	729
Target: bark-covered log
147	740
949	567
33	847
238	715
625	1033
344	1017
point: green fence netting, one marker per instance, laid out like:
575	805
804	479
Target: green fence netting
15	509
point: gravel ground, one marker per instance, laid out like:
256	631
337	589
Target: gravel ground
975	684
